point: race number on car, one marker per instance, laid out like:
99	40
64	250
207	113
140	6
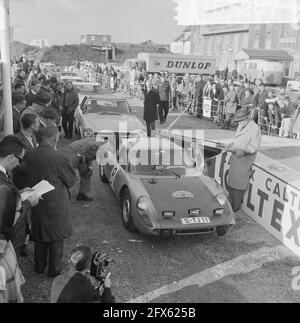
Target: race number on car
202	220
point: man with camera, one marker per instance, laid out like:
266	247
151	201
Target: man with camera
77	285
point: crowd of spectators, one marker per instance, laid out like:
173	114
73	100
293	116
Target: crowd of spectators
40	103
275	114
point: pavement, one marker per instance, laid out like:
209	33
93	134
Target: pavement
247	265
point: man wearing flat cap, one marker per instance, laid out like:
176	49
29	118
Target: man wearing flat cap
48	117
51	221
244	148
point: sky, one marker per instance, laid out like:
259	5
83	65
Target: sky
63	21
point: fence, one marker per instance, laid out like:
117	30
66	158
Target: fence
215	111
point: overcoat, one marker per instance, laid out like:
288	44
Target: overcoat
51	219
248	139
152	99
230	102
10	229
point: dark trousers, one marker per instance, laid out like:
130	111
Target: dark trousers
67	123
150	126
236	198
48	253
163	110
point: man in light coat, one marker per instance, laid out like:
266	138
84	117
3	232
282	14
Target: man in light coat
244	148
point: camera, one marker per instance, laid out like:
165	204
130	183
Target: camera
98	268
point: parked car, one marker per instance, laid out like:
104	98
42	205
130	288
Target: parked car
162	191
270	72
96	114
66	79
294	85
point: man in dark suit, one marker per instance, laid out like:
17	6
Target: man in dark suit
32	94
13	221
51	221
215	94
199	87
19	105
29	126
151	104
70	103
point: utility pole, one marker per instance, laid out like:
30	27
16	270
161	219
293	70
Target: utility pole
6	66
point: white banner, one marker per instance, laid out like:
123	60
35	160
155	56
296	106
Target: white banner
207	108
270	201
275	205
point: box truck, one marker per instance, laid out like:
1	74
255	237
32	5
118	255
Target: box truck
178	64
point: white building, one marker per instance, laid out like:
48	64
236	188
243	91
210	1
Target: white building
182	44
41	43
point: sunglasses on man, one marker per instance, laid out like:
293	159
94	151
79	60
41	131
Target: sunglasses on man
19	158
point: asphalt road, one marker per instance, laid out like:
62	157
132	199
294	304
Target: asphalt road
247	265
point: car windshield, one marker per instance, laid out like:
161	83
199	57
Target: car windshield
106	107
172	162
87	89
68	74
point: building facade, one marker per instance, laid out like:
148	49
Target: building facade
101	43
224	42
182	44
41	43
96	40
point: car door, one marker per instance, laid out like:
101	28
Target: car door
80	116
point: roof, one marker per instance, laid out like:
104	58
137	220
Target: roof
189	28
268	54
180	38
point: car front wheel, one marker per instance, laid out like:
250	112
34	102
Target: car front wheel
222	230
103	177
126	211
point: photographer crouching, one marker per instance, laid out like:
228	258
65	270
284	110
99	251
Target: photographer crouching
77	285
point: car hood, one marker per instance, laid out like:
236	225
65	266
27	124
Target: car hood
181	195
112	122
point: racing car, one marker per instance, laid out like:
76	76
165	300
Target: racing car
162	190
96	114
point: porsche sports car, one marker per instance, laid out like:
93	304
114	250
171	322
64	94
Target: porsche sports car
105	115
162	191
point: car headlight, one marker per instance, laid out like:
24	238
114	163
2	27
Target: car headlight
87	133
144	207
222	199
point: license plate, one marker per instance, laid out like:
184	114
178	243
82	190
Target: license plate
196	220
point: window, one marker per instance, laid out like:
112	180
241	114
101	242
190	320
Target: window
286	68
287	31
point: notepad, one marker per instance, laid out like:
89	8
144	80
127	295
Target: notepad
40	189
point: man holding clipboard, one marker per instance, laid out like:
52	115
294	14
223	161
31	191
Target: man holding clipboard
51	220
244	148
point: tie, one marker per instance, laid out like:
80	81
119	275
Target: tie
33	141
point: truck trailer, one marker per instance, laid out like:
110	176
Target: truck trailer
178	64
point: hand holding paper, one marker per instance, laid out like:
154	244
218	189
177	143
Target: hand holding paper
40	189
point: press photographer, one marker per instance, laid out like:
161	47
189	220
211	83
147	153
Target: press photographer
75	286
